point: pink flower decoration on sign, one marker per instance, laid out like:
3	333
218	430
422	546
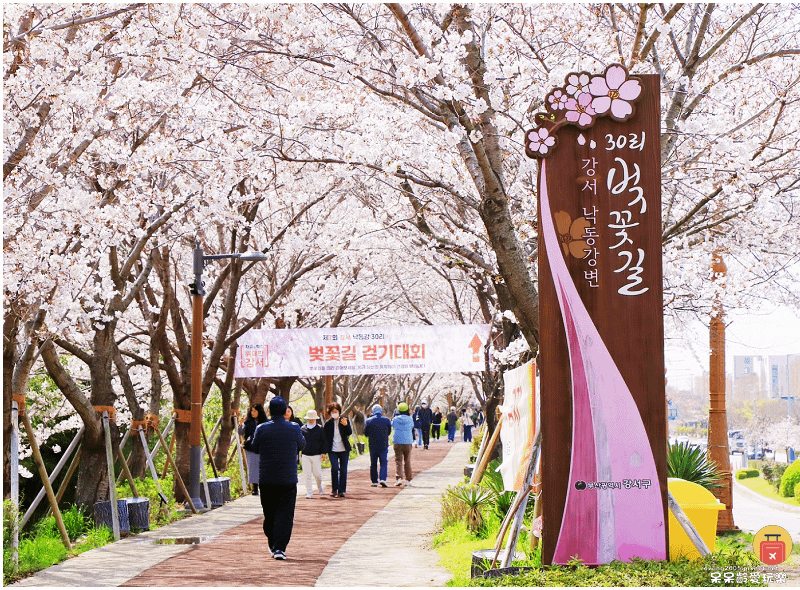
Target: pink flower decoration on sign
614	92
580	110
557	100
577	84
580	102
540	141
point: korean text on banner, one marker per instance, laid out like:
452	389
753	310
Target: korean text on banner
362	351
519	424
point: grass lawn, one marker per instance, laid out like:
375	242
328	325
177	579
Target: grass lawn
763	487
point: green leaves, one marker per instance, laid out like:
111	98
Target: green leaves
474	498
692	464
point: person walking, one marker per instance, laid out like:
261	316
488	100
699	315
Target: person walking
277	443
452	419
337	445
290	417
312	454
377	430
425	419
467	423
403	439
436	423
417	427
247	429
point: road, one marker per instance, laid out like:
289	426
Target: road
751	513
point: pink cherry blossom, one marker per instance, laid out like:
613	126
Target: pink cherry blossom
540	141
557	100
580	111
614	92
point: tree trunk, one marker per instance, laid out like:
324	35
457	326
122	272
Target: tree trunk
223	444
92	483
181	458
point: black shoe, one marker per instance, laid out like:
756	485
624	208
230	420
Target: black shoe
280	555
341	495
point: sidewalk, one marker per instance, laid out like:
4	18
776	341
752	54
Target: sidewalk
372	530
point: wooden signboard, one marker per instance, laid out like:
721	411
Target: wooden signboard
602	335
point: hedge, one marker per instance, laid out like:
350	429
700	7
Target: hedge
746	473
789	479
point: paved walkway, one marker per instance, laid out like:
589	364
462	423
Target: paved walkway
336	542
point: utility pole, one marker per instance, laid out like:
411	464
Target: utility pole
718	451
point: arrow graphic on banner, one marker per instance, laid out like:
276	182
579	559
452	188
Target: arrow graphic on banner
475	344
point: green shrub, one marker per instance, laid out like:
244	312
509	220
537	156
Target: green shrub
746	473
474	498
476	440
773	472
692	464
75	521
797	492
789	479
493	481
453	510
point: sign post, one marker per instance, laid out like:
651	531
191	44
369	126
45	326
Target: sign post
602	348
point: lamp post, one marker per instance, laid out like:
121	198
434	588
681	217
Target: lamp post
197	291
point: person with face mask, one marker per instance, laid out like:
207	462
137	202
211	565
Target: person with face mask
312	453
337	445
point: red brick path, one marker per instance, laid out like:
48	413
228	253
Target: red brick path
240	556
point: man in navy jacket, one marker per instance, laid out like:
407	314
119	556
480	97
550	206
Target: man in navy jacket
277	443
377	430
425	418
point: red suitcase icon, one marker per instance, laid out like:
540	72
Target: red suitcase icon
773	552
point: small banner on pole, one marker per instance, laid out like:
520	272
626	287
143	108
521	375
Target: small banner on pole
309	352
519	424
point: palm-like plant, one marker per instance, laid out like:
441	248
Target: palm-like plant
493	481
474	498
692	464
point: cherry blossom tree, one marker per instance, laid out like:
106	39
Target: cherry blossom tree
343	139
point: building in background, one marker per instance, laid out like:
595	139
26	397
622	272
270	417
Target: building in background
750	378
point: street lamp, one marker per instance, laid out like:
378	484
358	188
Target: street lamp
197	291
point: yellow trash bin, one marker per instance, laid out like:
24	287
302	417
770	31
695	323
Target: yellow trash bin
701	508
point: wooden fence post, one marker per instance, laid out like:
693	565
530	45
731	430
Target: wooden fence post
485	453
239	451
687	525
37	456
15	484
152	467
112	487
52	477
177	474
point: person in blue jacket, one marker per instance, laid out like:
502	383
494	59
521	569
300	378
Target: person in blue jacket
403	438
277	443
377	430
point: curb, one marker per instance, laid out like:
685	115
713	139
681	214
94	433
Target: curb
755	496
